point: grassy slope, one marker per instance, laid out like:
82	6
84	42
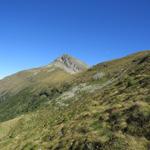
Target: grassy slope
13	84
31	97
115	117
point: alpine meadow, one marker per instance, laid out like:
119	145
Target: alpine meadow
74	74
66	105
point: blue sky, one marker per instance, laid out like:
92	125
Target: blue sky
34	32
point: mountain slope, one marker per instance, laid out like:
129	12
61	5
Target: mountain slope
106	107
69	64
57	71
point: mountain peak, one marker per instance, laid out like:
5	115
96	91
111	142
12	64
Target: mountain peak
70	64
64	58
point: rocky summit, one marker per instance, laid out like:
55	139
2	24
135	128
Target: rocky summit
67	106
69	64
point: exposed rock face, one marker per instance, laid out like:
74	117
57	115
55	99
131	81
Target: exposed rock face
69	64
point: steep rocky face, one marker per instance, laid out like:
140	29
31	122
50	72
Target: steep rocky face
69	64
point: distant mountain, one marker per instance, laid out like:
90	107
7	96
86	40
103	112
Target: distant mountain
57	71
65	106
69	64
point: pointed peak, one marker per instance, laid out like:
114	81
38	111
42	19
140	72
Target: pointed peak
64	56
70	63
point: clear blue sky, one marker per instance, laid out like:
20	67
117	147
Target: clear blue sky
34	32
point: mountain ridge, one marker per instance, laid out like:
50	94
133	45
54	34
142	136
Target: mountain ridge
65	65
106	107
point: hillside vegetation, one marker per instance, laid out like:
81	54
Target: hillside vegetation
106	107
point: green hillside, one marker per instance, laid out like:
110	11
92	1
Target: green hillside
106	107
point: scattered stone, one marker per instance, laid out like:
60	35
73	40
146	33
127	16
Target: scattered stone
98	75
